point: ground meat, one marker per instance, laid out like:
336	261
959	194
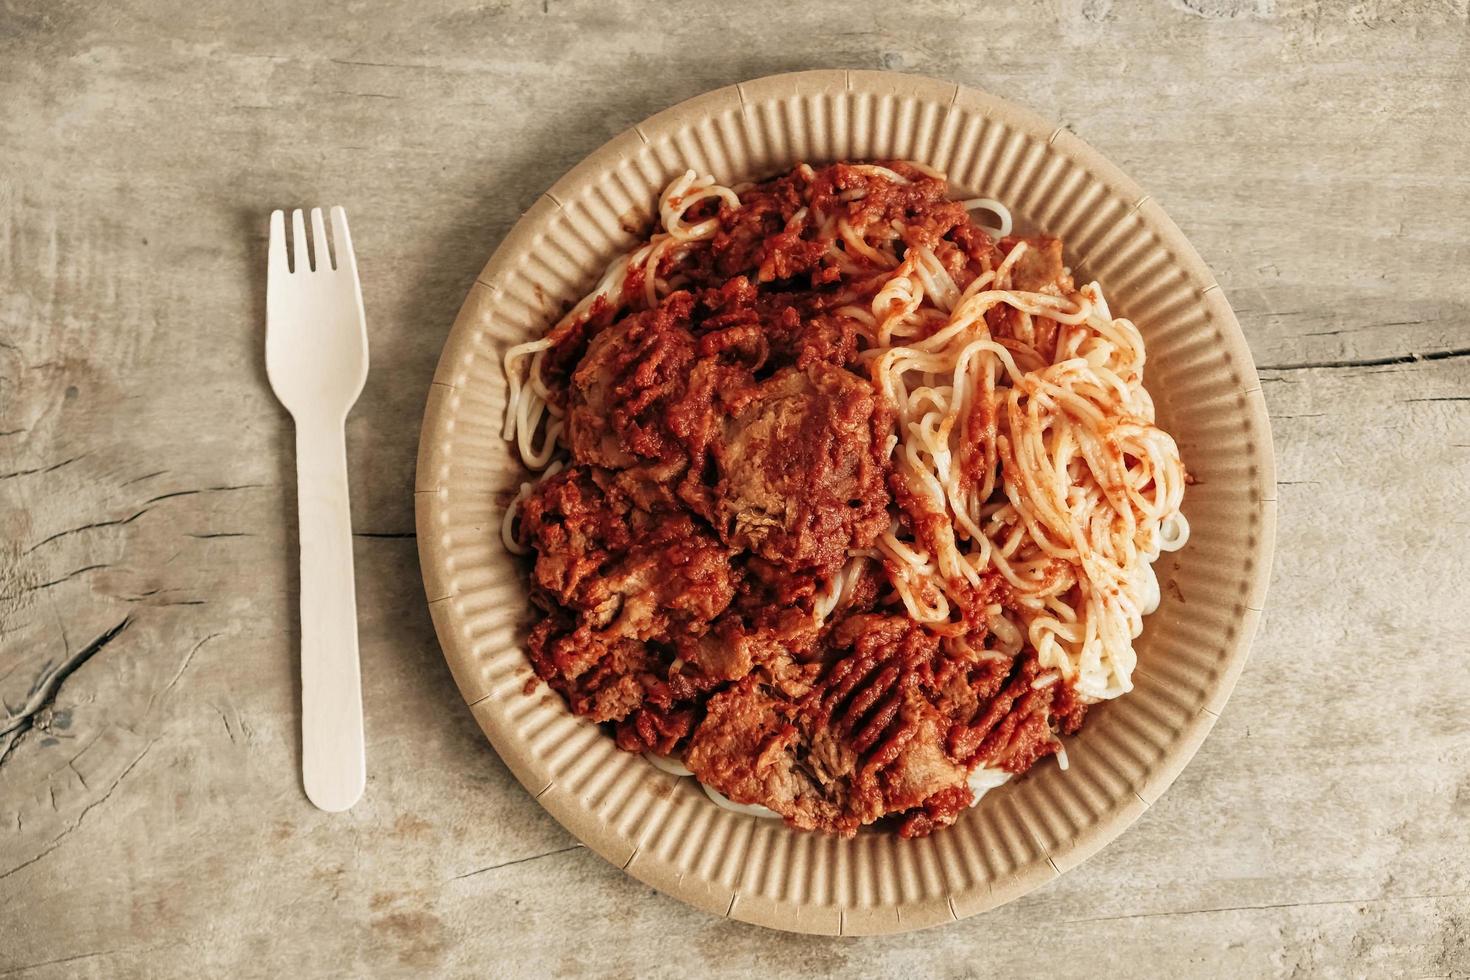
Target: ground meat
615	577
626	570
801	472
748	748
872	736
622	388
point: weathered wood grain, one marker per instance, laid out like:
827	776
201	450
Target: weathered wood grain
151	818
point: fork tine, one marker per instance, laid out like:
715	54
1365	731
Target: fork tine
346	259
276	260
319	242
300	261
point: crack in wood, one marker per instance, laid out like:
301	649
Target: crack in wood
145	596
1441	355
229	730
365	95
15	739
87	527
41	469
191	493
46	585
80	956
1366	326
48	688
381	64
59	838
507	864
120	522
1268	908
384	534
188	659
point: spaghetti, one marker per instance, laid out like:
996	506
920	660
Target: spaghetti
1029	491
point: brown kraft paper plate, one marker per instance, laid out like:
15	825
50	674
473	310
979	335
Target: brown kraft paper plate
664	830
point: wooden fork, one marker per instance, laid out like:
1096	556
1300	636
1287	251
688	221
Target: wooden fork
316	356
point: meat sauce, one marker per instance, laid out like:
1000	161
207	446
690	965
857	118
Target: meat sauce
727	456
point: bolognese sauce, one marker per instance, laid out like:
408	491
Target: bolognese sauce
780	540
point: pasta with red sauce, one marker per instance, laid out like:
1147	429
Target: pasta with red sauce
847	503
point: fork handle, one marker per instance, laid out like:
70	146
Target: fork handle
333	758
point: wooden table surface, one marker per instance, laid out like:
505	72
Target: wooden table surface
151	817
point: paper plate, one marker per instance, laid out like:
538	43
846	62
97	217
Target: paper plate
665	831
